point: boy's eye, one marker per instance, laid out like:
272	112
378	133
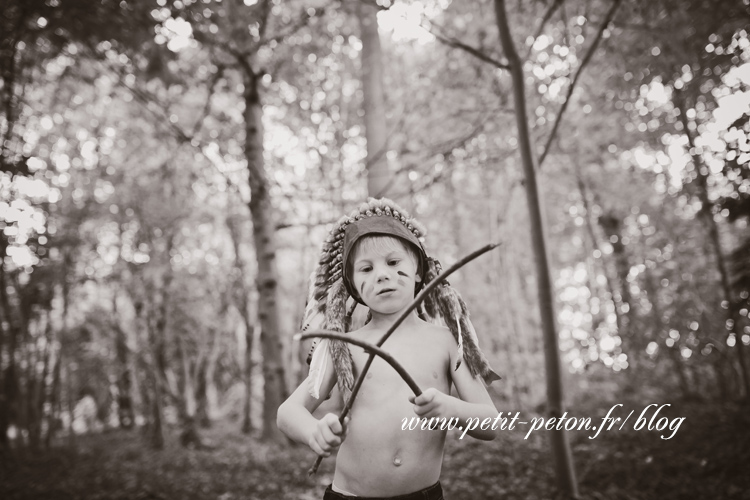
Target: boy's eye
393	262
365	269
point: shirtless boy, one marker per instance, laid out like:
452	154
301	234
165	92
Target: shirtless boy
383	264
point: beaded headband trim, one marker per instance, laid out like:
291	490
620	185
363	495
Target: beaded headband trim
375	208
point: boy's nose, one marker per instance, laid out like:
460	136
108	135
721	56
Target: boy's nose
383	275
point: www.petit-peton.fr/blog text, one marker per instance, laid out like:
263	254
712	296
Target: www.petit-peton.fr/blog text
616	419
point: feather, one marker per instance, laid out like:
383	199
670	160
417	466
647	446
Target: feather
313	318
318	366
335	320
488	374
460	355
452	308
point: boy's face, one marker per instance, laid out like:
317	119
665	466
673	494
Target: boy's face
385	276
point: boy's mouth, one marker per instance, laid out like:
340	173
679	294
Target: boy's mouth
386	290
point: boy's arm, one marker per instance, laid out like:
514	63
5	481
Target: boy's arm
473	400
294	417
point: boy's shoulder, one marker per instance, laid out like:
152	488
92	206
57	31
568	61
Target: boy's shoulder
439	331
436	336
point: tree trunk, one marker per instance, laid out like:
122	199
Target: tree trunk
376	131
38	396
633	342
158	343
242	302
203	410
189	437
54	404
267	279
512	346
205	390
612	226
591	261
671	352
7	397
247	423
564	469
154	430
125	414
70	402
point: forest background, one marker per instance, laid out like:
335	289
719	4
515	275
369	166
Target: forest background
170	170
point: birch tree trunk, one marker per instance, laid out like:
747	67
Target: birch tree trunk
242	302
376	131
566	479
264	237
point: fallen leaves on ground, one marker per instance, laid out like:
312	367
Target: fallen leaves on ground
707	458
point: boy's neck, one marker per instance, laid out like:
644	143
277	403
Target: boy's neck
384	321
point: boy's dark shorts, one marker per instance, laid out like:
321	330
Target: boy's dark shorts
434	492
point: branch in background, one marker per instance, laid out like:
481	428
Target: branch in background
547	16
265	11
148	101
162	114
457	44
445	149
301	23
440	175
583	190
564	19
307	225
207	107
571	87
374	3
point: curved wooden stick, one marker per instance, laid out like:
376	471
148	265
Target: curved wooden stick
371	348
417	300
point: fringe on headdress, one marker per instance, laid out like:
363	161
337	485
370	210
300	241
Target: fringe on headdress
334	318
445	302
328	297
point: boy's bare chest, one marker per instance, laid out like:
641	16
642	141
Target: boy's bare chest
425	361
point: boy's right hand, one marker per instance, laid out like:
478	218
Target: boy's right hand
328	435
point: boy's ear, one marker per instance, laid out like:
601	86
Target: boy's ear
418	278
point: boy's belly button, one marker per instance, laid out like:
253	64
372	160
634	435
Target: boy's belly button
397	458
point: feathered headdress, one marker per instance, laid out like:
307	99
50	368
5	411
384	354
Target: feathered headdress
330	288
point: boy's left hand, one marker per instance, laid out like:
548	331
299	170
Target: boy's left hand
431	403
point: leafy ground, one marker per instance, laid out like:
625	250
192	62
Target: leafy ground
708	458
